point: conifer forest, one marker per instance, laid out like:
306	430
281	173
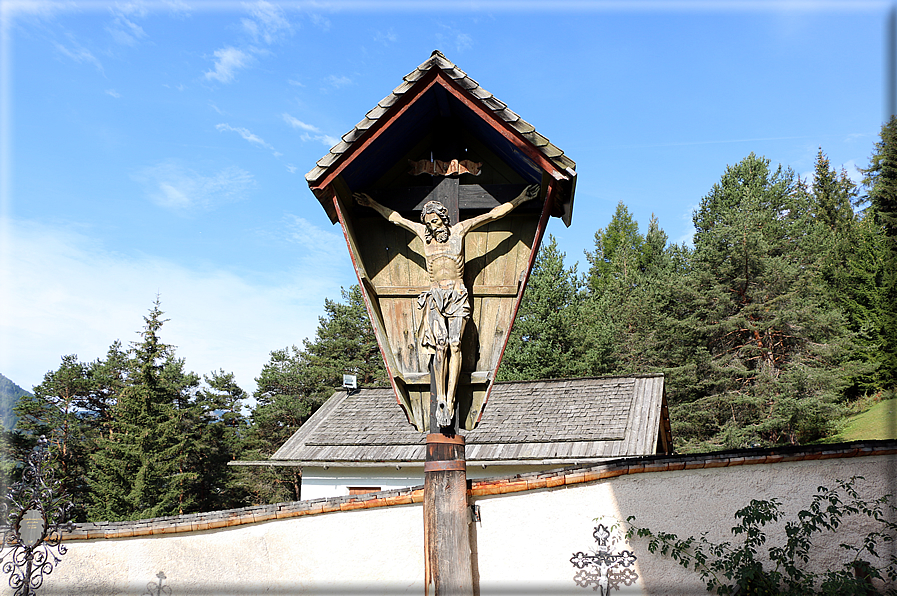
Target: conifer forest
776	323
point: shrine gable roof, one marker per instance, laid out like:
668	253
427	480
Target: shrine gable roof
562	421
436	88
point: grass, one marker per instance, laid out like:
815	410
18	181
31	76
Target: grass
878	422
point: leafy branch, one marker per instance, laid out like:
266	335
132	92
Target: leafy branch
739	568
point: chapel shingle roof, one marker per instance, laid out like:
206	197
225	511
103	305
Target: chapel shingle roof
551	421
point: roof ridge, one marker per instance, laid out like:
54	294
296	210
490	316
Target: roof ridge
438	60
592	378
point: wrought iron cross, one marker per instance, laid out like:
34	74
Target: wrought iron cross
605	568
33	516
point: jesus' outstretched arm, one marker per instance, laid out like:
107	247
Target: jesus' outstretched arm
365	200
529	193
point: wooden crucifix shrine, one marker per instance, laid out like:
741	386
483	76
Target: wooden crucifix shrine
443	195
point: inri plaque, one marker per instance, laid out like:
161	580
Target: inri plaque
31	527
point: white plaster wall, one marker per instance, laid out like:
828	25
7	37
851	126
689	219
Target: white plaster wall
522	545
527	539
376	551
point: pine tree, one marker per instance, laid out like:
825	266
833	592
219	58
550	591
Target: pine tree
295	382
108	378
344	344
54	411
776	345
222	432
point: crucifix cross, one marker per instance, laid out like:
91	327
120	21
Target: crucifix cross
452	194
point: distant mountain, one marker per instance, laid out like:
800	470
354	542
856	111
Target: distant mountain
9	396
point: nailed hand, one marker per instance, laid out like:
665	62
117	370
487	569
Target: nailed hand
363	199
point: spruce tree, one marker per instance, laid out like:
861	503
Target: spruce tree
548	340
834	195
631	279
141	468
850	267
880	181
618	251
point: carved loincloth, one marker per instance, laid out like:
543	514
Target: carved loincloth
439	306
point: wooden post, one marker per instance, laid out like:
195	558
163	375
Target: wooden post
447	568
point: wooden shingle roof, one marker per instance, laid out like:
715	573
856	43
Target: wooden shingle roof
564	421
438	61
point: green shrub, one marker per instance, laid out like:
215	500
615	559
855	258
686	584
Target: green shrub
729	568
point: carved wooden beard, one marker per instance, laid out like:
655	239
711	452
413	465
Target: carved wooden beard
441	235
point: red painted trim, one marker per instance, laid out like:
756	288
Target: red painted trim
502	127
359	146
367	306
450	465
442	439
410	98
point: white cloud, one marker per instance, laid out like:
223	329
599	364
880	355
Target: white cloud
386	38
326	140
113	93
181	189
63	292
312	238
227	61
245	133
267	24
687	216
463	42
125	31
296	123
450	36
321	22
79	55
291	168
853	171
338	82
137	9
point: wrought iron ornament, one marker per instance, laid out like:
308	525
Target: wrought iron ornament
33	515
157	589
605	568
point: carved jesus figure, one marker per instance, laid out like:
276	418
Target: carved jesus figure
445	305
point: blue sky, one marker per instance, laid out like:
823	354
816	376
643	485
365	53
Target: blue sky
160	147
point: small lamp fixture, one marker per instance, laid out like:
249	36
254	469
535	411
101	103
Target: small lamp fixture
350	382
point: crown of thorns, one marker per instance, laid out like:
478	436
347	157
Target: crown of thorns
437	208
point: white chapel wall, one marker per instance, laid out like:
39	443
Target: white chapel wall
335	481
